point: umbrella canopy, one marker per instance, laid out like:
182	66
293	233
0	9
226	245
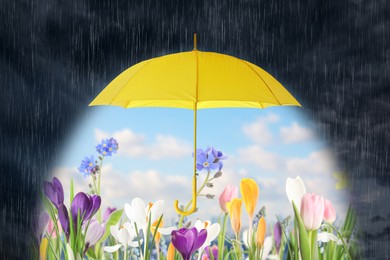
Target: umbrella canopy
195	80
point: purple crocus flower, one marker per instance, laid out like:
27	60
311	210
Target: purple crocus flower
107	213
64	219
277	235
205	161
85	205
82	204
54	191
187	241
94	232
214	251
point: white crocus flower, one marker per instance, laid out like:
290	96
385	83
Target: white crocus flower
267	247
245	237
212	233
139	213
295	190
124	235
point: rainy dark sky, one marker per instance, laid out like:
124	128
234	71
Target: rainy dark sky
55	56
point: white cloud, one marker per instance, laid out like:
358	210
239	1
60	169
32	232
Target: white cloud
258	131
295	133
257	155
118	188
132	144
319	163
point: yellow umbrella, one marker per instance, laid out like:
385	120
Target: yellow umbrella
195	80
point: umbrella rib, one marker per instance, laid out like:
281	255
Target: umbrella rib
246	63
117	94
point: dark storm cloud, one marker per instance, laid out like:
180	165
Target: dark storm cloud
55	56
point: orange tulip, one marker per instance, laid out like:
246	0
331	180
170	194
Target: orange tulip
234	208
260	234
171	252
250	194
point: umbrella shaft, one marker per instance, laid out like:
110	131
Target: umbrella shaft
195	128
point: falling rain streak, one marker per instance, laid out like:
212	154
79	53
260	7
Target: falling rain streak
55	56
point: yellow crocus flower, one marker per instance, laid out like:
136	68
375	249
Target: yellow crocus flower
250	194
234	208
260	234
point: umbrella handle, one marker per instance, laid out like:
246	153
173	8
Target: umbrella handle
194	190
194	196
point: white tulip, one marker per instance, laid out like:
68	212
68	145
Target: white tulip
295	190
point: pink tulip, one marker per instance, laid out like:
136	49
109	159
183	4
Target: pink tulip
229	193
329	212
312	210
51	230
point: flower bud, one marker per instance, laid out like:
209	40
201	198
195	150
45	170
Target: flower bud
329	212
210	196
217	174
228	194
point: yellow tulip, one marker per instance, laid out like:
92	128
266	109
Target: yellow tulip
171	252
250	194
234	208
43	248
260	234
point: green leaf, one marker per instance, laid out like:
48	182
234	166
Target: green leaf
294	238
91	253
303	238
155	231
112	220
71	193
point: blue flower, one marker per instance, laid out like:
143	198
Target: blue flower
205	161
218	155
107	147
88	165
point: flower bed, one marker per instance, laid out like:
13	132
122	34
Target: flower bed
138	230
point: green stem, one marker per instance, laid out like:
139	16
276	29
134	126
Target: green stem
99	213
313	243
94	184
197	194
221	240
237	247
139	240
125	252
51	246
342	240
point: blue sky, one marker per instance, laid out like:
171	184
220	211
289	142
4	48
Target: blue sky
154	159
221	128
